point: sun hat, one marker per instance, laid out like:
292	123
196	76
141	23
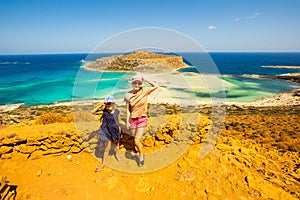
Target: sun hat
136	78
110	99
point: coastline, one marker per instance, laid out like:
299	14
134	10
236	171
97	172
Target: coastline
289	100
16	113
282	66
139	69
165	96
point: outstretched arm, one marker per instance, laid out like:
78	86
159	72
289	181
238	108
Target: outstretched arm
154	87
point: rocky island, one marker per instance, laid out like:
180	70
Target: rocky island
137	61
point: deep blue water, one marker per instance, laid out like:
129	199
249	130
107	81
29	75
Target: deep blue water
44	79
246	63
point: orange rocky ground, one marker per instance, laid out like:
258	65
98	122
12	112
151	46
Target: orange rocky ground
256	157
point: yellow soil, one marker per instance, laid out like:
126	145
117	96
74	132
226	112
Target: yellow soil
237	168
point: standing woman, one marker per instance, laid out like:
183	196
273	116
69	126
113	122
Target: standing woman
136	106
109	131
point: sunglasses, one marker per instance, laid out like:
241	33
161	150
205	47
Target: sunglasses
110	103
137	83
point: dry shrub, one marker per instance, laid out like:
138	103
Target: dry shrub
49	118
68	118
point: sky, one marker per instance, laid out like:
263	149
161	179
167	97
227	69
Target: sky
78	26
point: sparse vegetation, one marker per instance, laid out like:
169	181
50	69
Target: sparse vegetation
49	118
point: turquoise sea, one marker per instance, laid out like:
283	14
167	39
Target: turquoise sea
45	79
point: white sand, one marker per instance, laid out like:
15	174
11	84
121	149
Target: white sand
188	80
177	88
170	82
283	99
10	107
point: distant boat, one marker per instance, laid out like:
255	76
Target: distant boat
82	60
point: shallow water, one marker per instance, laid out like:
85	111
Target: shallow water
45	79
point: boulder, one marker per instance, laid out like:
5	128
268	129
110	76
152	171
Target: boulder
148	142
68	142
23	148
75	149
56	137
36	155
6	156
5	149
173	132
43	148
53	151
57	145
31	141
66	149
161	136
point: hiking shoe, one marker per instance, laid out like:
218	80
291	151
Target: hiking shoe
142	162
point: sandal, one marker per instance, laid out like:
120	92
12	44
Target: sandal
118	158
98	168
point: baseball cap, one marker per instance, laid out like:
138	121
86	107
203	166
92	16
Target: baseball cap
110	99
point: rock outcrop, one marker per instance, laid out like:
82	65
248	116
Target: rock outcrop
137	61
256	157
34	141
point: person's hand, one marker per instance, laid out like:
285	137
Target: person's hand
127	125
143	79
123	123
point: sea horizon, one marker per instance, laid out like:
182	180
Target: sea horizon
117	52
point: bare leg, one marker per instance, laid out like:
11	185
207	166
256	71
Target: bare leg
117	150
136	141
105	154
138	134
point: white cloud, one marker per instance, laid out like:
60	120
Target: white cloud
236	19
253	16
212	28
